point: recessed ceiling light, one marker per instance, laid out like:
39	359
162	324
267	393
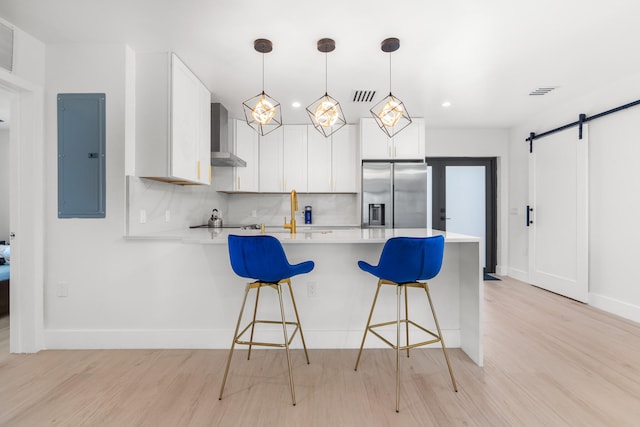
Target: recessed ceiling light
446	104
296	104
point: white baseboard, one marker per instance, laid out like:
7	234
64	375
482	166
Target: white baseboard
521	275
501	270
84	339
614	306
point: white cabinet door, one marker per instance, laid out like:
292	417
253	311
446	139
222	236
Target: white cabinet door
246	143
319	163
409	143
185	102
295	158
345	160
374	142
270	149
204	136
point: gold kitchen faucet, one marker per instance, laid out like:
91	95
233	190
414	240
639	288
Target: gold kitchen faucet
294	207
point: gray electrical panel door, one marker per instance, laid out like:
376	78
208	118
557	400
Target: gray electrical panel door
81	155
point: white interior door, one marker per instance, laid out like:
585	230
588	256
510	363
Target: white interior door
558	193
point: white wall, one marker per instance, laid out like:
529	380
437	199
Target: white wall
5	168
120	287
480	143
614	201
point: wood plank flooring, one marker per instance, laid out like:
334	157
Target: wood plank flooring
549	361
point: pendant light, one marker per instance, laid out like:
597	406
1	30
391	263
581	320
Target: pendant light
390	113
325	113
262	112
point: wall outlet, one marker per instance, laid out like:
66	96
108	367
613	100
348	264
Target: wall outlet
311	289
63	290
167	216
254	213
143	216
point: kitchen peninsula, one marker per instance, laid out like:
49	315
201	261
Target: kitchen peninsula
335	298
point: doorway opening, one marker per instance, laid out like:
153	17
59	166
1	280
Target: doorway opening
462	198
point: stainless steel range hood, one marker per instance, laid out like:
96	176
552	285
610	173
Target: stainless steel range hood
221	152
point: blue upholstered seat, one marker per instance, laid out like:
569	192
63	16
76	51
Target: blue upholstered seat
408	259
262	258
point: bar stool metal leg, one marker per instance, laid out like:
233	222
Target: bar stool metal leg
233	343
286	345
295	310
406	315
253	323
375	298
444	348
399	292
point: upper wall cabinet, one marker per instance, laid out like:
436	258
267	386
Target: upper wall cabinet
333	161
408	144
293	157
173	121
246	147
270	164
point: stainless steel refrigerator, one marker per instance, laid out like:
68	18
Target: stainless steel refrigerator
394	194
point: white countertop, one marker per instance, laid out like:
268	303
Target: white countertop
306	235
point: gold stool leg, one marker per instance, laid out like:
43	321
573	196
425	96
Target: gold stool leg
295	310
233	343
399	292
375	298
406	315
444	348
253	323
286	345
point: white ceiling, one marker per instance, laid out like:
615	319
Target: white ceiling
482	56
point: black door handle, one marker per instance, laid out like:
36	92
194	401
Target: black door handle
529	210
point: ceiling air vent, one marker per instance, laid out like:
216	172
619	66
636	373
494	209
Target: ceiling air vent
363	95
6	47
542	91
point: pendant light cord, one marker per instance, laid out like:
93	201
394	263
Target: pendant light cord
389	73
263	73
326	90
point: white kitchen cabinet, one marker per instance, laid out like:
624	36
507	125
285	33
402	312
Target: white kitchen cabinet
270	152
333	161
319	164
246	147
344	160
294	158
204	136
407	144
172	121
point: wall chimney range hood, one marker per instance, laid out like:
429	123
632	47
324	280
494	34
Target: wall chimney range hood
221	152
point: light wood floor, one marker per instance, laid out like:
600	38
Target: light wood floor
549	361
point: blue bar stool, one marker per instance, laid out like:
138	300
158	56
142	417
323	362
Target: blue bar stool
262	259
403	262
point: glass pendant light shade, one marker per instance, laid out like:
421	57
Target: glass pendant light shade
391	115
262	112
325	112
326	115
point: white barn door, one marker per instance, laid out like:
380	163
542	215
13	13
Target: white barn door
558	194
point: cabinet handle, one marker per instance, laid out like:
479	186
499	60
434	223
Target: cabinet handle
238	183
198	169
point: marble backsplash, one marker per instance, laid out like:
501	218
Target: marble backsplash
270	209
167	207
